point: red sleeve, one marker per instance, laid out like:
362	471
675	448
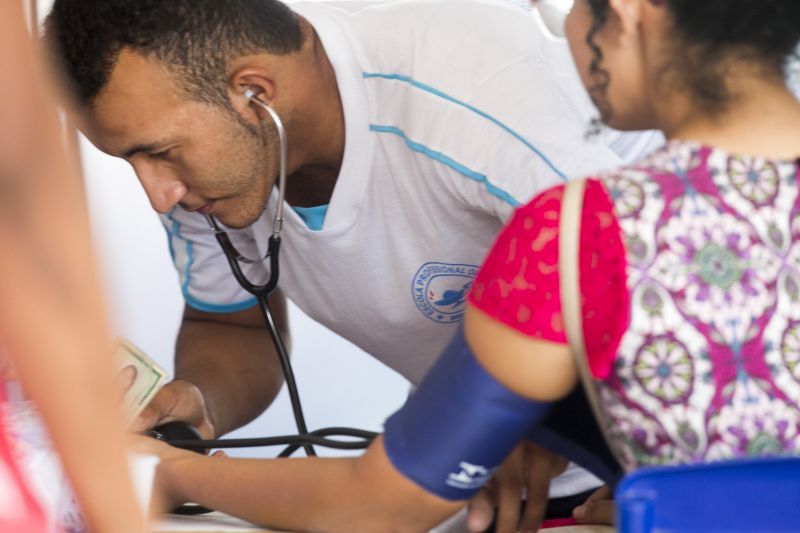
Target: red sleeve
518	283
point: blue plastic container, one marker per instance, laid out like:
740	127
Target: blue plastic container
738	496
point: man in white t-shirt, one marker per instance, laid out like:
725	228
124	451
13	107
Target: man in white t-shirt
414	129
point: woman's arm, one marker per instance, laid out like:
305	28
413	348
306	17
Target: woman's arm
52	318
367	493
533	368
347	495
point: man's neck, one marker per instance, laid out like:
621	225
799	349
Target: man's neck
322	132
311	186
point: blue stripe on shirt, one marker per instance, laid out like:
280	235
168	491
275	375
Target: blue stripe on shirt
438	156
437	92
196	303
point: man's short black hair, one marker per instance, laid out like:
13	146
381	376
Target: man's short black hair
196	39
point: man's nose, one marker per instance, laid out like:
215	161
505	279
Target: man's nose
163	190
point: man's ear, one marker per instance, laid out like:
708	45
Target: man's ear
253	78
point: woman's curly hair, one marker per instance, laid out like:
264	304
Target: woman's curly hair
707	34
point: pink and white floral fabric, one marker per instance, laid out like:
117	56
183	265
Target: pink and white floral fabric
690	276
19	509
708	366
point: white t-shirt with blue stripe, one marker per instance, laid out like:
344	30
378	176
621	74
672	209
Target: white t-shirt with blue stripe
455	112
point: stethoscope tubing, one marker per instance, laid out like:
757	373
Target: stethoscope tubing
319	437
304	439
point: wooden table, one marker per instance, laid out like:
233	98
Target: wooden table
581	529
215	522
221	523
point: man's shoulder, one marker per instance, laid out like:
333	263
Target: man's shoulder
485	24
452	7
449	47
455	17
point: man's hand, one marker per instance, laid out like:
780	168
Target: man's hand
528	466
177	400
598	508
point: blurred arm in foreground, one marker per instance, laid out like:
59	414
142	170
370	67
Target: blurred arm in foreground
52	319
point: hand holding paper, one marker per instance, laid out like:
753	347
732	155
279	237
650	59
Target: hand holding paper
139	379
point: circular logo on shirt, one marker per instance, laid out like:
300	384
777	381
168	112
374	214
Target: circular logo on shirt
440	290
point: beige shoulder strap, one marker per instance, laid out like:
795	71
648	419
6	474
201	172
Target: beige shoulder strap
569	232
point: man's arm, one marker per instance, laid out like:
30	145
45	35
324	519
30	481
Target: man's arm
226	370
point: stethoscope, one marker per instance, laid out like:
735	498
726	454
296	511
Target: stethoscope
360	439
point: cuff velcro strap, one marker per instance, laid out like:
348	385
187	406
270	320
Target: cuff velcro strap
458	426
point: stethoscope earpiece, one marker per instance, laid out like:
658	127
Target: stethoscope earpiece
250	94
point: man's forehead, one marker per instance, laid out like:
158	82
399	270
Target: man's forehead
139	77
124	142
138	104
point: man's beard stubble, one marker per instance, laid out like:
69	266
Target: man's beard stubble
257	144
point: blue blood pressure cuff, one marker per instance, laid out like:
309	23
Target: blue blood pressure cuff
458	426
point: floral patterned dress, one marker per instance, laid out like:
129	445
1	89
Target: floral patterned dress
19	510
690	277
